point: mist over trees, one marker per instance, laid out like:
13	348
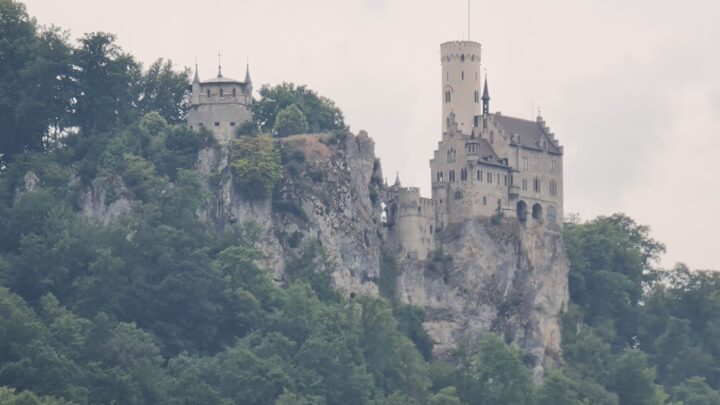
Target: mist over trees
158	307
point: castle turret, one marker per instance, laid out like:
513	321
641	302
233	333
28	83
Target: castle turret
220	104
461	83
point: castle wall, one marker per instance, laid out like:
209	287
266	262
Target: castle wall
221	114
414	221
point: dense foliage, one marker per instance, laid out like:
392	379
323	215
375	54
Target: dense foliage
158	307
320	113
49	87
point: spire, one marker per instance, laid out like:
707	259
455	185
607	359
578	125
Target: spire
486	93
196	79
397	180
247	73
219	65
486	104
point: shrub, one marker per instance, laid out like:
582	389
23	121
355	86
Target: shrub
290	121
256	166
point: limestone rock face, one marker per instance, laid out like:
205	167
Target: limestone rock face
503	278
324	194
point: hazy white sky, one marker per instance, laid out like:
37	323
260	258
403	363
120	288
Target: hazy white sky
630	87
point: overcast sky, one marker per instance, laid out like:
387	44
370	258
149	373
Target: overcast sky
630	87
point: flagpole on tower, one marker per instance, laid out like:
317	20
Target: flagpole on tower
468	20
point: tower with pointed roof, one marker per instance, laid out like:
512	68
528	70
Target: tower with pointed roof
220	104
486	165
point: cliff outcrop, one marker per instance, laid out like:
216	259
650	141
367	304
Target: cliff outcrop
497	276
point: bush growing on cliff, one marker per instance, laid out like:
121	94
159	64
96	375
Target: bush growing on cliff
290	121
256	166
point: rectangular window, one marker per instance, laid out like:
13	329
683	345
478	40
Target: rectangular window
232	124
524	184
217	124
234	92
208	93
497	178
489	177
506	180
553	165
478	175
537	163
221	92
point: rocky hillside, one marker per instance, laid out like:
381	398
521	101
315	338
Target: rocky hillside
485	277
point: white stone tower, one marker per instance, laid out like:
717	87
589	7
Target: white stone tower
461	84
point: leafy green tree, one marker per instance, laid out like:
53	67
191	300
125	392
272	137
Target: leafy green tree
290	121
410	322
634	381
288	398
314	266
321	113
446	396
493	373
256	166
9	396
103	76
34	81
557	389
695	391
163	90
391	357
611	260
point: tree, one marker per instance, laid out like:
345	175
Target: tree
256	166
493	373
163	90
695	391
612	261
557	389
634	381
34	81
320	112
290	121
104	76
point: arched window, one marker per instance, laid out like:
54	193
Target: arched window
462	58
522	211
537	213
458	195
551	214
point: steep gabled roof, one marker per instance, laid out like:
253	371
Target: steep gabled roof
531	133
487	154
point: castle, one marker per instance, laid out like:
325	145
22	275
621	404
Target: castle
486	165
220	104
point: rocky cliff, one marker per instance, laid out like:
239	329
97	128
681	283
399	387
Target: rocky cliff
485	276
501	277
